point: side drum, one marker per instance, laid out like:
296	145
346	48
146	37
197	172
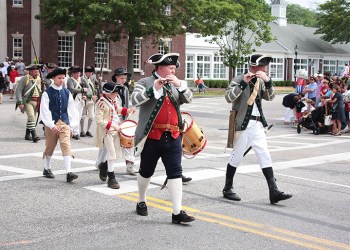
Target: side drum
127	133
193	139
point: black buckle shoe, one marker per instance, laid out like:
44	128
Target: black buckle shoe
71	177
89	134
76	137
186	179
182	217
141	208
82	134
48	174
230	195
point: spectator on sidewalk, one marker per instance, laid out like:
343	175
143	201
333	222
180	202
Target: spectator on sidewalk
200	84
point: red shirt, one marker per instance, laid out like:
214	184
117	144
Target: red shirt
13	74
167	115
324	90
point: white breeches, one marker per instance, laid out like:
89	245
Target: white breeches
112	145
89	110
253	135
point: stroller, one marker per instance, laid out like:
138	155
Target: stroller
314	121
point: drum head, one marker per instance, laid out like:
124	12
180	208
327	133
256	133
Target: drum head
187	120
128	128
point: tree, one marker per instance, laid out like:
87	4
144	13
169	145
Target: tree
334	21
137	18
303	16
249	29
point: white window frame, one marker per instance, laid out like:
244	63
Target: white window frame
17	3
203	66
276	68
101	48
18	49
243	68
163	44
70	53
218	65
137	54
329	65
190	66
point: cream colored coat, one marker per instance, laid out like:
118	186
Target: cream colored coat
105	113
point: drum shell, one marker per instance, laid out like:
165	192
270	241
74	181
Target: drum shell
127	136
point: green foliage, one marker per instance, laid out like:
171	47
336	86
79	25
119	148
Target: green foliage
287	83
334	21
116	19
216	83
300	15
249	27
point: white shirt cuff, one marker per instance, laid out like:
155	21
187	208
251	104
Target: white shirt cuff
157	93
183	86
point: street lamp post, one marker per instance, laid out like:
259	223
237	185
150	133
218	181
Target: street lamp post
296	50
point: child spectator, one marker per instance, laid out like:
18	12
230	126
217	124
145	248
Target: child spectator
298	107
200	84
58	113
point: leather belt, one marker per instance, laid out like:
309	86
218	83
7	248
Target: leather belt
255	118
166	126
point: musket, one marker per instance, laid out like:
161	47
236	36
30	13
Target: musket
41	78
102	64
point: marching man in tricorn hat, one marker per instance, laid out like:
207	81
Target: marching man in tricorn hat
246	93
158	130
28	94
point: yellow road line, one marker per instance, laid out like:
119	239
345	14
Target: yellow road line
133	197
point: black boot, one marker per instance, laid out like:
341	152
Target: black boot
34	136
228	189
103	170
275	194
28	137
112	182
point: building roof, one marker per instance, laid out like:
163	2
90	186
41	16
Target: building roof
308	43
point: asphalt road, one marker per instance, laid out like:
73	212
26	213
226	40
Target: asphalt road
39	213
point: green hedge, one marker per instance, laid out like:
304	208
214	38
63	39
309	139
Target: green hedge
287	83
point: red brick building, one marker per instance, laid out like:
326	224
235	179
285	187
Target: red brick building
19	28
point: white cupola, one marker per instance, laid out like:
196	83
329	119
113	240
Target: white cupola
279	10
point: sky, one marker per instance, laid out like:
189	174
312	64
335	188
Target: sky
311	4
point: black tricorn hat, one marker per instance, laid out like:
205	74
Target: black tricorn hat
167	59
111	87
74	69
51	65
56	72
118	72
33	66
89	69
259	60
